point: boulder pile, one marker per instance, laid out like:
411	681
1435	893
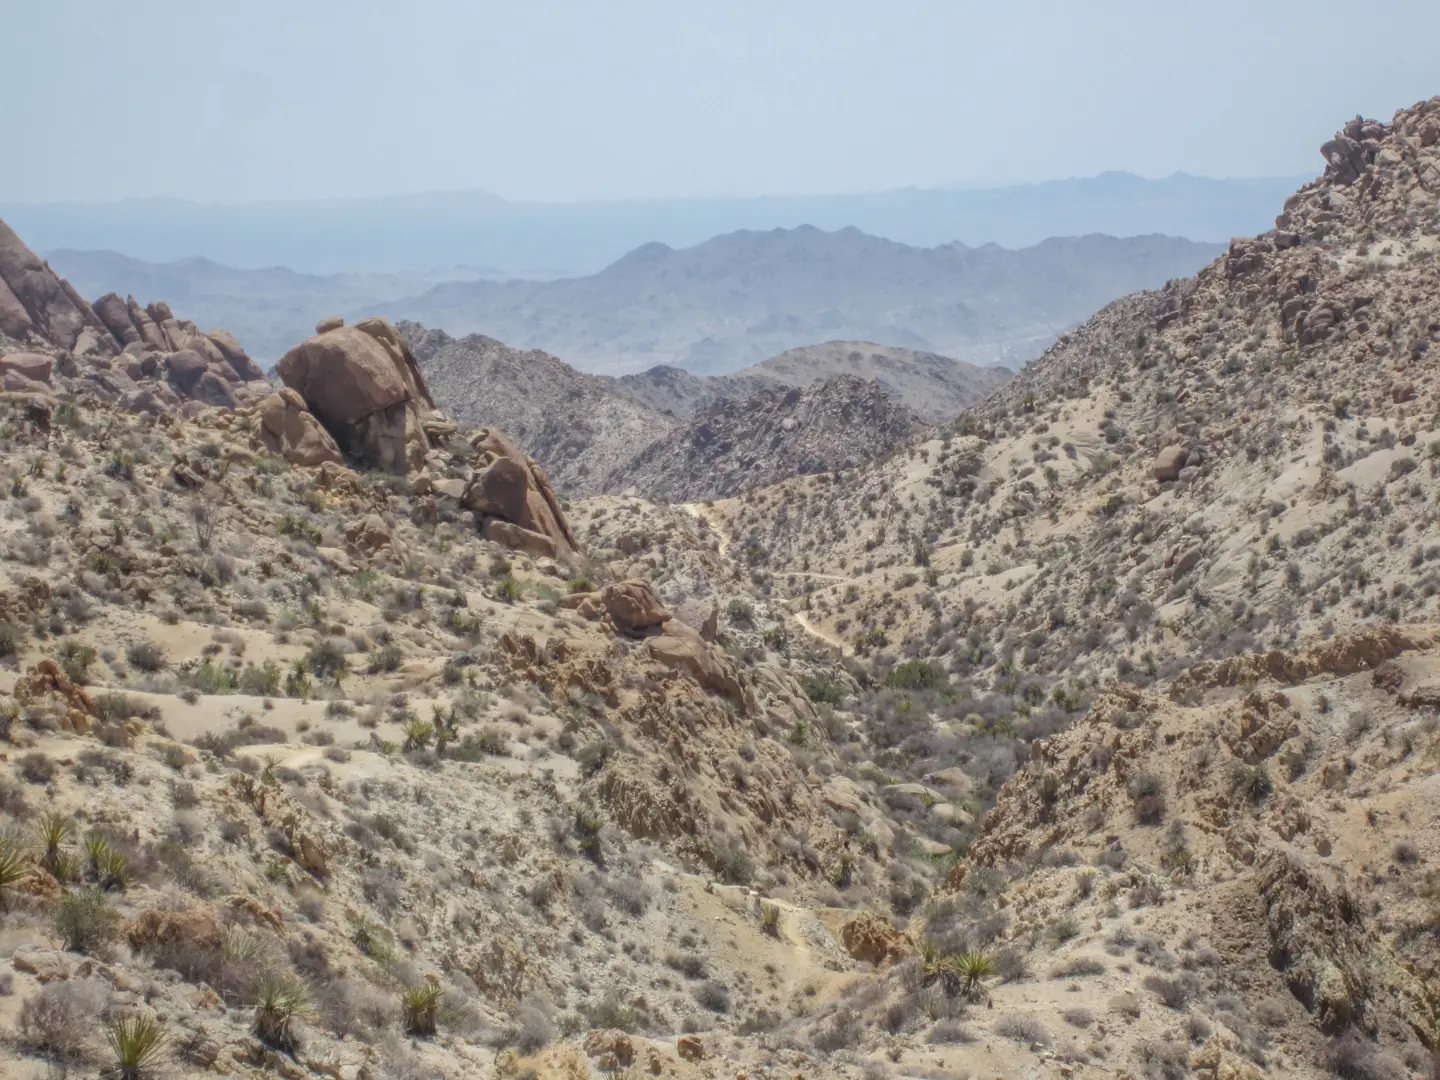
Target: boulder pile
144	358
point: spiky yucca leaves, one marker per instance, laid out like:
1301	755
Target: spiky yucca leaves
137	1043
417	734
14	866
972	969
54	832
420	1006
770	919
278	1004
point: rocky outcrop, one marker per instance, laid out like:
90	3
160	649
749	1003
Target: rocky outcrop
35	300
872	940
123	351
289	429
364	385
507	485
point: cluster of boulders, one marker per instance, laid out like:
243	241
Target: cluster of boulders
353	395
142	358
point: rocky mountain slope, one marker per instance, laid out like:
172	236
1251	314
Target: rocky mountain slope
738	299
595	433
1095	737
935	388
1240	463
740	444
580	427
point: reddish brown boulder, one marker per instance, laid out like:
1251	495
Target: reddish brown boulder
235	355
289	429
150	334
509	485
115	314
633	607
365	386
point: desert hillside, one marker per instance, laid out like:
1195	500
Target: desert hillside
668	434
1091	735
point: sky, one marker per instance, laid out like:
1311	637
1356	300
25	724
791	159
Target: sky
565	100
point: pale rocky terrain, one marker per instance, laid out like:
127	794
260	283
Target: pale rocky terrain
1094	737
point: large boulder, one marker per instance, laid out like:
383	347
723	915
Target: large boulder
507	484
150	333
235	355
680	648
115	314
34	366
633	607
1169	462
365	386
289	429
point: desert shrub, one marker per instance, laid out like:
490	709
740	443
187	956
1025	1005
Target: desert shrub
1023	1028
1354	1057
76	659
713	996
85	922
261	681
327	660
915	675
1078	968
1080	1018
1165	1060
1254	782
384	660
531	1028
59	1019
37	767
822	689
1148	792
1174	993
146	656
691	965
740	612
488	742
949	1033
278	1004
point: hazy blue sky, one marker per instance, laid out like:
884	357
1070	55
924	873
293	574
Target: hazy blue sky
579	99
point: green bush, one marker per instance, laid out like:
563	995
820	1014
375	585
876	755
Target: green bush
84	921
915	675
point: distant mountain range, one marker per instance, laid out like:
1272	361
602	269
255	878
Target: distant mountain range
714	308
738	299
475	228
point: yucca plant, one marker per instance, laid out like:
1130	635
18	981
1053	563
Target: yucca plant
54	833
14	866
770	919
972	969
278	1003
421	1008
417	734
112	871
137	1043
240	946
1255	782
96	848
